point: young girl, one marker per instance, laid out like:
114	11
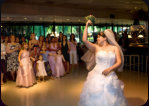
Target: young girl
25	74
45	54
41	72
35	54
60	71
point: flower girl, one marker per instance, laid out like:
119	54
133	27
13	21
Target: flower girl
60	71
41	72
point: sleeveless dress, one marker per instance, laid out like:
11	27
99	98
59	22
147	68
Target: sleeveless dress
64	49
52	60
41	68
12	58
73	53
60	71
101	90
25	74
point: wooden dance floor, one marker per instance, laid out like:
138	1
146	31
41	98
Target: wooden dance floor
66	90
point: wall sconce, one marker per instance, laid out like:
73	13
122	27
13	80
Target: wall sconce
129	36
140	36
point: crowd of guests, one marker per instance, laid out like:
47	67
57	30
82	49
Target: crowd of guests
28	61
35	60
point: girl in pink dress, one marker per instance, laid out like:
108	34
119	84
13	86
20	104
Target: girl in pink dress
25	74
52	48
60	71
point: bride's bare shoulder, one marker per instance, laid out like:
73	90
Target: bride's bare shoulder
115	48
112	46
96	46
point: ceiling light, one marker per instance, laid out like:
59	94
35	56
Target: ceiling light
25	18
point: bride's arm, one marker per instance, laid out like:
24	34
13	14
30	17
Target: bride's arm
118	59
89	45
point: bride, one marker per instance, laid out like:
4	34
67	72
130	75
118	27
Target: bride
102	87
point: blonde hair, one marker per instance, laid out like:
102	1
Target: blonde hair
24	43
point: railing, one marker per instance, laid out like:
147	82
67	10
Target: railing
136	63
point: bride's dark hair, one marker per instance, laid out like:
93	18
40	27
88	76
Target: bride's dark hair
102	34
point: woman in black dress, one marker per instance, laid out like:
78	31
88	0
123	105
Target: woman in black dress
65	51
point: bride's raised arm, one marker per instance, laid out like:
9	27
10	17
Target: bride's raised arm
89	45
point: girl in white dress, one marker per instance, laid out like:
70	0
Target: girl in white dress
102	87
41	72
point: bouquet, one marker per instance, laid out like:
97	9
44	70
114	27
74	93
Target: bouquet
90	17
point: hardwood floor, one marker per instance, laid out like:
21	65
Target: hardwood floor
66	90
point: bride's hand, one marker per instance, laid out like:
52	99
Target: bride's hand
89	22
106	71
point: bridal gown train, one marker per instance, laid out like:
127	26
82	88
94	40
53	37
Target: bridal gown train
100	90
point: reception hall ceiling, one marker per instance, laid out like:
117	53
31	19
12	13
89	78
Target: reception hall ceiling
71	10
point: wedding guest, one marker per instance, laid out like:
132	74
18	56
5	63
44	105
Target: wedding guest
45	54
53	46
73	50
60	71
3	60
25	74
33	42
12	50
65	51
41	72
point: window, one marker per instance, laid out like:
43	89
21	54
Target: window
109	27
120	31
97	29
115	29
48	30
58	29
103	28
90	33
75	31
39	31
81	33
67	31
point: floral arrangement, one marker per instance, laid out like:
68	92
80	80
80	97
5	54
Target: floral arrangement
90	17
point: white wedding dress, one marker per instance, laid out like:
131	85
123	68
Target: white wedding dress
100	90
